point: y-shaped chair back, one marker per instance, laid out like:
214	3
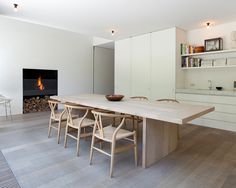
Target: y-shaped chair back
53	104
168	100
139	98
70	108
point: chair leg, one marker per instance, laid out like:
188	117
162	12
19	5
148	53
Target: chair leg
101	144
85	138
10	109
113	122
78	142
113	145
49	127
65	140
59	132
6	109
136	128
178	132
135	150
91	150
125	125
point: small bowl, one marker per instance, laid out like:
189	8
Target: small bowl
114	97
219	88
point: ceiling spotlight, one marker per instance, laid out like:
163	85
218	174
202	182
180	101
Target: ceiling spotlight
208	25
112	32
15	7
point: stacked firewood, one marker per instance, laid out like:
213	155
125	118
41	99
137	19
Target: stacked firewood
36	104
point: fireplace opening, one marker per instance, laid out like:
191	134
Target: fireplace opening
38	86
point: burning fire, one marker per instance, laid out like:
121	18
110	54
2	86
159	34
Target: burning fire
40	83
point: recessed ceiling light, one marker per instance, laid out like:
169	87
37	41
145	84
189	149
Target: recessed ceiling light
208	25
15	7
112	32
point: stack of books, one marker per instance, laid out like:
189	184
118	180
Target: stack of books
186	49
191	62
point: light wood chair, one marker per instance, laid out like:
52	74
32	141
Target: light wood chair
57	116
7	104
171	101
78	124
112	134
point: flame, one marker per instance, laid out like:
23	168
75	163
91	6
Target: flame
40	83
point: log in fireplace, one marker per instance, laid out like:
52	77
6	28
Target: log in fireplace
38	86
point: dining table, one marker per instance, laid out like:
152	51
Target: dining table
160	120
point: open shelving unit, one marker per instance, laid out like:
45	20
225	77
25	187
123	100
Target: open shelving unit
205	54
210	67
209	53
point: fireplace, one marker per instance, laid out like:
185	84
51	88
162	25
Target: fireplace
38	86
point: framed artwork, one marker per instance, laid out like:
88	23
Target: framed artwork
214	44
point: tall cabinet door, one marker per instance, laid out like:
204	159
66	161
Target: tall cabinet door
140	65
123	67
163	50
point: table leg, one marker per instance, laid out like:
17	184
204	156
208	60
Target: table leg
159	139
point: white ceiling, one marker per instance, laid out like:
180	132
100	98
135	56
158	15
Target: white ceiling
127	17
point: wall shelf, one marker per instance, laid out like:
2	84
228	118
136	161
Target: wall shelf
202	61
209	53
210	67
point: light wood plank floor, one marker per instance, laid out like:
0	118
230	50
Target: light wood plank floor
205	158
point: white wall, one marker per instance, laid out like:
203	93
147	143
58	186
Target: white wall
24	45
180	73
98	41
220	77
103	70
197	36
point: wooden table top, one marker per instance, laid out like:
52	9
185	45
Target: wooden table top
178	113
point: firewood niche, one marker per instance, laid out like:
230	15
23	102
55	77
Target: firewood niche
36	104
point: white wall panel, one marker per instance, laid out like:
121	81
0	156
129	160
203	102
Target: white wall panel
103	70
25	45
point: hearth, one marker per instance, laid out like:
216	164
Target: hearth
38	86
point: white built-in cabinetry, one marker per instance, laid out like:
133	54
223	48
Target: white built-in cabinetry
150	65
163	64
224	116
140	65
123	67
146	65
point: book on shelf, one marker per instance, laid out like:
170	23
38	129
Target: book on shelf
186	49
191	62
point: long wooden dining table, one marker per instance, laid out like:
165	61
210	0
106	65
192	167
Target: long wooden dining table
160	120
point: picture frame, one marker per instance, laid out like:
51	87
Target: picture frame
214	44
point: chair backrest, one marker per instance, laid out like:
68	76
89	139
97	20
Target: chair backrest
69	109
139	98
4	99
99	123
53	106
168	100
